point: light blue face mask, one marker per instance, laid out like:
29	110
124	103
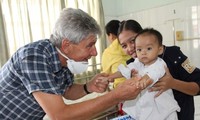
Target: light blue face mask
74	66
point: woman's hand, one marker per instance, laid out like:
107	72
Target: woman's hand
163	84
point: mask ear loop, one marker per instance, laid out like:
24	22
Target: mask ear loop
62	53
66	56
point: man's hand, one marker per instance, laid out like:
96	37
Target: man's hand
99	83
142	82
127	90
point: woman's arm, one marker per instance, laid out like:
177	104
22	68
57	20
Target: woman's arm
168	82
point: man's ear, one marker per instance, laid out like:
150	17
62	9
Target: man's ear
65	44
161	48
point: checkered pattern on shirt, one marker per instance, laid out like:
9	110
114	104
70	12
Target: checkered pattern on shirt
34	67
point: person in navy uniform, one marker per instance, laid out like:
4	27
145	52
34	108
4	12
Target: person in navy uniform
181	76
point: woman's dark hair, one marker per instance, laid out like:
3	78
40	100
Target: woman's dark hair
112	27
129	25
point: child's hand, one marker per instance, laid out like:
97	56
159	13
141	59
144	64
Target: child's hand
110	79
134	72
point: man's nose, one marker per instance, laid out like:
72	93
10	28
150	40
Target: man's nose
93	51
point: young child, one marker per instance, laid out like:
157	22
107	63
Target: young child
148	66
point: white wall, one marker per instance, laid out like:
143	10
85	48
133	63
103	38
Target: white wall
167	17
115	8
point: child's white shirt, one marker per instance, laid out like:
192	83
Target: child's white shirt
146	106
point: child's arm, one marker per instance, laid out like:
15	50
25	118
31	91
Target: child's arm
115	75
125	71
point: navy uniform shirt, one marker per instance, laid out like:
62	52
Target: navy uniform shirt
180	68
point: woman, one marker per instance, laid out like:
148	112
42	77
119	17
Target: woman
182	77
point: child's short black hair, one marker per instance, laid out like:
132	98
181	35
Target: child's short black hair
112	27
152	31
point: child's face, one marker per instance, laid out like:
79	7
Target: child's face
147	48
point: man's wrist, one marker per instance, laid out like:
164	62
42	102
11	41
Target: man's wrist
86	89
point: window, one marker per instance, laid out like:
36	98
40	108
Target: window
26	21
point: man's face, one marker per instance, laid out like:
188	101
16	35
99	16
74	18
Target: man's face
83	50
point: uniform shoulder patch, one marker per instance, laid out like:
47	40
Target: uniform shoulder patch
188	66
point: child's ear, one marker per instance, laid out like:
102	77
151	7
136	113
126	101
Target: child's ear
113	37
161	48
